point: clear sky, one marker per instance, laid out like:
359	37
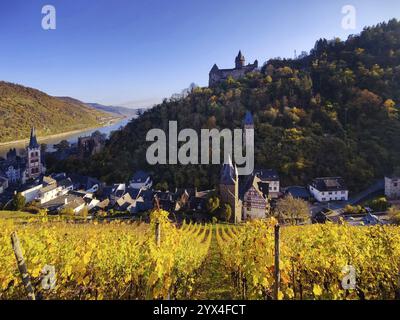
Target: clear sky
136	52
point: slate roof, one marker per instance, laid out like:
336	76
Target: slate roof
267	174
33	144
298	192
329	184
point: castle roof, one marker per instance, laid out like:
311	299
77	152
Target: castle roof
33	144
248	119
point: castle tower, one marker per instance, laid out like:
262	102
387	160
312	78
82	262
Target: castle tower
240	61
229	190
34	163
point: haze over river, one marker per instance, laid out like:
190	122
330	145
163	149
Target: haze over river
71	138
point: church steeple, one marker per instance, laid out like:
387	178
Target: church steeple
33	144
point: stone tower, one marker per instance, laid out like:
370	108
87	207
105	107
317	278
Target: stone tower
34	161
240	61
229	190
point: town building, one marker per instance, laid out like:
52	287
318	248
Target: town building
254	196
271	178
241	69
329	189
392	187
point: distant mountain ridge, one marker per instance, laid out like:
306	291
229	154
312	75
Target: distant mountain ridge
22	107
123	111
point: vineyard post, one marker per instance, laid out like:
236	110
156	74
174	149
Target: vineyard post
277	274
22	266
158	234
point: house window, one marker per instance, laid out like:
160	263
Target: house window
395	184
343	192
323	199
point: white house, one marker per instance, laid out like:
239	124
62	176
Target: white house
392	187
141	180
32	192
329	189
49	193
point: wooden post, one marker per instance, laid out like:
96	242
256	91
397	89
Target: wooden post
277	273
158	234
22	266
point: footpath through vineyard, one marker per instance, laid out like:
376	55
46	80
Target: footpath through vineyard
213	282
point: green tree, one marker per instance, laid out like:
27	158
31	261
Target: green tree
18	202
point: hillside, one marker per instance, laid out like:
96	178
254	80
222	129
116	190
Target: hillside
333	112
120	111
22	107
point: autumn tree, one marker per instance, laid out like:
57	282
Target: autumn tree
293	211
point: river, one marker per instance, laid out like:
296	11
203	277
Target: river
70	137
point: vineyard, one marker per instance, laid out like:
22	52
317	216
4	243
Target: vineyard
160	260
105	260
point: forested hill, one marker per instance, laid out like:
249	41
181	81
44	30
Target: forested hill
22	107
333	112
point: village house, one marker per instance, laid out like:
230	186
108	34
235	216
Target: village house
67	201
298	192
329	189
271	178
254	196
392	187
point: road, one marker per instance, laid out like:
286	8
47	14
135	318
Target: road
338	206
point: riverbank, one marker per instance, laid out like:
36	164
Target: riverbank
63	134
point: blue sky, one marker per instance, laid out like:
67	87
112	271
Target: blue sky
134	53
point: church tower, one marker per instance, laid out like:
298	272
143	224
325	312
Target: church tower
34	161
248	124
240	61
229	190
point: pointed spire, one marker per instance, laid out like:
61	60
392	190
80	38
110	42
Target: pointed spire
33	141
229	173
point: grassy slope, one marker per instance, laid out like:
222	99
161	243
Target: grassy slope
21	108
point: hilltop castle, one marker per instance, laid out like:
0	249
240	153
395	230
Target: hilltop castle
217	75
